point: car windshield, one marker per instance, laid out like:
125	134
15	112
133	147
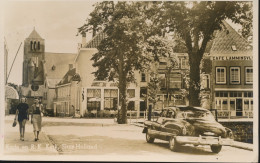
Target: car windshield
195	114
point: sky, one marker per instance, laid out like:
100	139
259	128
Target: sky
55	21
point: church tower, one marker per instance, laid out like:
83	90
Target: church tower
34	48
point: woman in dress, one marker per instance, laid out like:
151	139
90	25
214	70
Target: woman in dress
23	115
36	118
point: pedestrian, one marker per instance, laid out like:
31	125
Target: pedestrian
23	115
36	118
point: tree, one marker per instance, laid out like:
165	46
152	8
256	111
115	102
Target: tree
156	48
120	53
195	22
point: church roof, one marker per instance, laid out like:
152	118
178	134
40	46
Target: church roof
34	34
57	64
227	42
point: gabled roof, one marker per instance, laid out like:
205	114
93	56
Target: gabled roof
228	42
51	83
71	75
34	34
95	41
57	64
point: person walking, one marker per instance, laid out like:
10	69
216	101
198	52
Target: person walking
23	115
36	118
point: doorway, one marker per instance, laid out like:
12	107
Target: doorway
239	107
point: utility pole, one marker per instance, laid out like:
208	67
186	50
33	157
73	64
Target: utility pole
13	62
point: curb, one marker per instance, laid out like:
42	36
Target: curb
50	142
246	147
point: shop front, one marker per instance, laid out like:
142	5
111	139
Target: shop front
234	103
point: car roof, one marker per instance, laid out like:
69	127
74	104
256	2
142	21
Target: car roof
182	108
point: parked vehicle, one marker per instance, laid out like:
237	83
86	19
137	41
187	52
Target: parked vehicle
188	125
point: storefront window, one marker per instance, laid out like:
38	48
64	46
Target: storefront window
110	96
93	99
246	104
218	104
235	94
131	94
232	104
224	104
221	94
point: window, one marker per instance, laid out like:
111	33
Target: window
218	104
162	65
131	104
175	80
143	77
224	104
110	96
221	75
39	46
221	94
249	75
235	94
34	45
143	91
184	63
162	80
248	94
205	83
31	45
93	96
232	104
246	104
235	75
131	94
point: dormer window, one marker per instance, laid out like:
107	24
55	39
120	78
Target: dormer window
234	48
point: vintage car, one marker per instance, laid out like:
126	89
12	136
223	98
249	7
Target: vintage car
188	125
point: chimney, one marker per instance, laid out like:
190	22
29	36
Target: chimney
70	66
83	38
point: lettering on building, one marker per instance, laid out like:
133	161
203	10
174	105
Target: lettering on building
231	58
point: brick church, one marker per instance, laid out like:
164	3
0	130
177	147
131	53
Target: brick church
42	70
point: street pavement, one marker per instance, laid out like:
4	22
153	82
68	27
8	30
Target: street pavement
103	137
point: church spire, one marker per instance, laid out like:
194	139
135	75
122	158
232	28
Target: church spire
34	34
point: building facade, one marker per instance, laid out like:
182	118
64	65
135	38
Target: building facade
68	86
232	74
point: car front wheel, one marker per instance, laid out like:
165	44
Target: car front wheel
216	148
173	144
149	139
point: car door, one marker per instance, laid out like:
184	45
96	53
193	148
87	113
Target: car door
156	127
164	128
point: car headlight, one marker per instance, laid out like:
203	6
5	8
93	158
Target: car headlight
184	130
